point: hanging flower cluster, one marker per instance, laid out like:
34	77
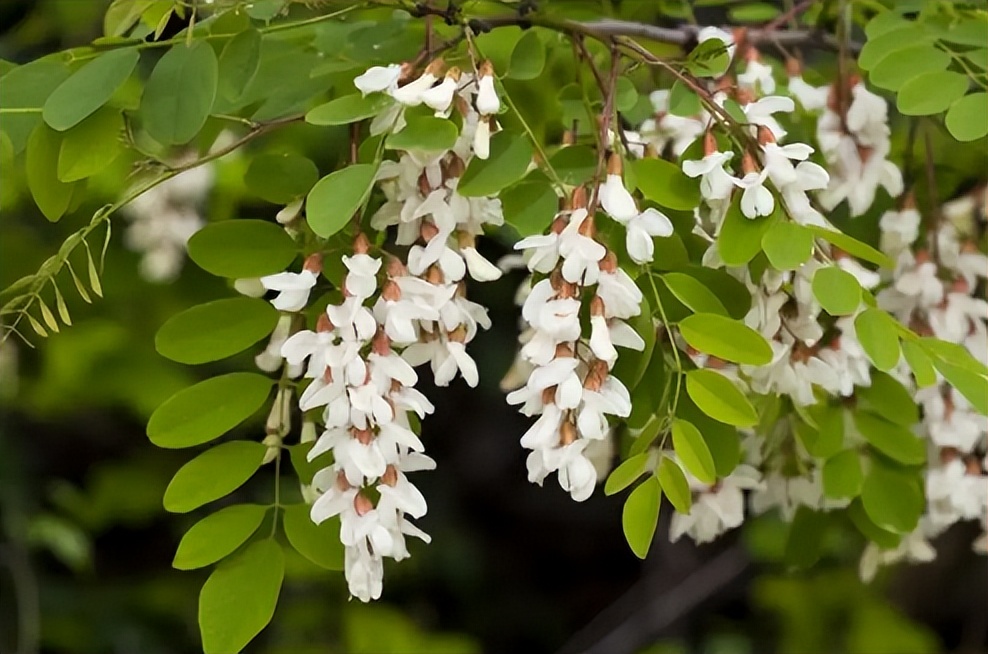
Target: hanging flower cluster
393	317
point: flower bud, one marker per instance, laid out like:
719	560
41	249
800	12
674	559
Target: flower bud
313	263
362	504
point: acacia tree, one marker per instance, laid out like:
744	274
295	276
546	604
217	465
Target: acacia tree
746	278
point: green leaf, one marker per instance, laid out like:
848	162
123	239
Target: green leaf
122	14
693	293
889	399
675	486
973	386
510	156
879	336
424	133
239	598
883	22
806	534
893	40
89	88
852	246
575	164
179	93
530	207
641	516
896	69
683	101
625	474
91	146
218	535
215	330
238	64
203	411
28	87
917	98
242	248
625	94
740	238
920	363
349	109
837	290
318	543
892	498
755	12
280	178
722	439
967	119
719	398
528	57
665	184
871	531
50	194
709	59
787	245
954	354
732	293
892	440
842	476
692	450
726	339
215	473
335	198
972	30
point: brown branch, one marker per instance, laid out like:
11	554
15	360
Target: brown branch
605	126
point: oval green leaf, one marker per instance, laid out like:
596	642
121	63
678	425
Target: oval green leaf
692	450
203	411
665	184
837	291
852	246
675	486
336	197
237	64
693	293
896	69
179	93
726	339
528	57
842	476
89	88
892	499
641	515
967	119
892	440
280	178
879	336
242	248
510	155
215	473
218	535
719	398
931	93
787	245
625	474
349	109
530	207
239	598
77	156
887	397
52	195
318	543
215	330
426	133
740	238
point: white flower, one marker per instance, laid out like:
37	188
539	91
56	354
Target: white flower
361	281
293	289
411	94
378	78
541	251
616	200
487	100
760	113
458	360
715	182
913	547
581	252
715	511
640	231
480	268
622	297
758	76
868	279
756	200
440	97
482	139
611	399
813	98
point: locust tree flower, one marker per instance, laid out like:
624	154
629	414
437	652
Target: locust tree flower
293	288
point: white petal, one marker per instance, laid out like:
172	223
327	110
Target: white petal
480	268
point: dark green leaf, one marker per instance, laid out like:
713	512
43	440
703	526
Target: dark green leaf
50	194
510	156
238	64
280	178
575	164
530	207
218	535
693	293
90	146
805	537
215	473
683	101
239	598
201	412
871	531
89	88
215	330
889	399
335	198
242	248
179	93
27	87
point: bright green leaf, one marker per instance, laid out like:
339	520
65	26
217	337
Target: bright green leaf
349	109
575	164
973	386
90	146
899	67
726	339
892	440
218	535
852	246
967	118
665	184
740	238
215	473
719	398
625	474
242	248
918	98
318	543
510	156
530	207
787	245
892	498
335	198
215	330
426	133
179	93
675	486
201	412
692	450
27	88
89	88
882	537
683	101
239	598
889	399
837	290
893	40
842	476
528	57
879	336
693	293
920	363
641	516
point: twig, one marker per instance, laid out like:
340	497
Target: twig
605	125
933	217
788	15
